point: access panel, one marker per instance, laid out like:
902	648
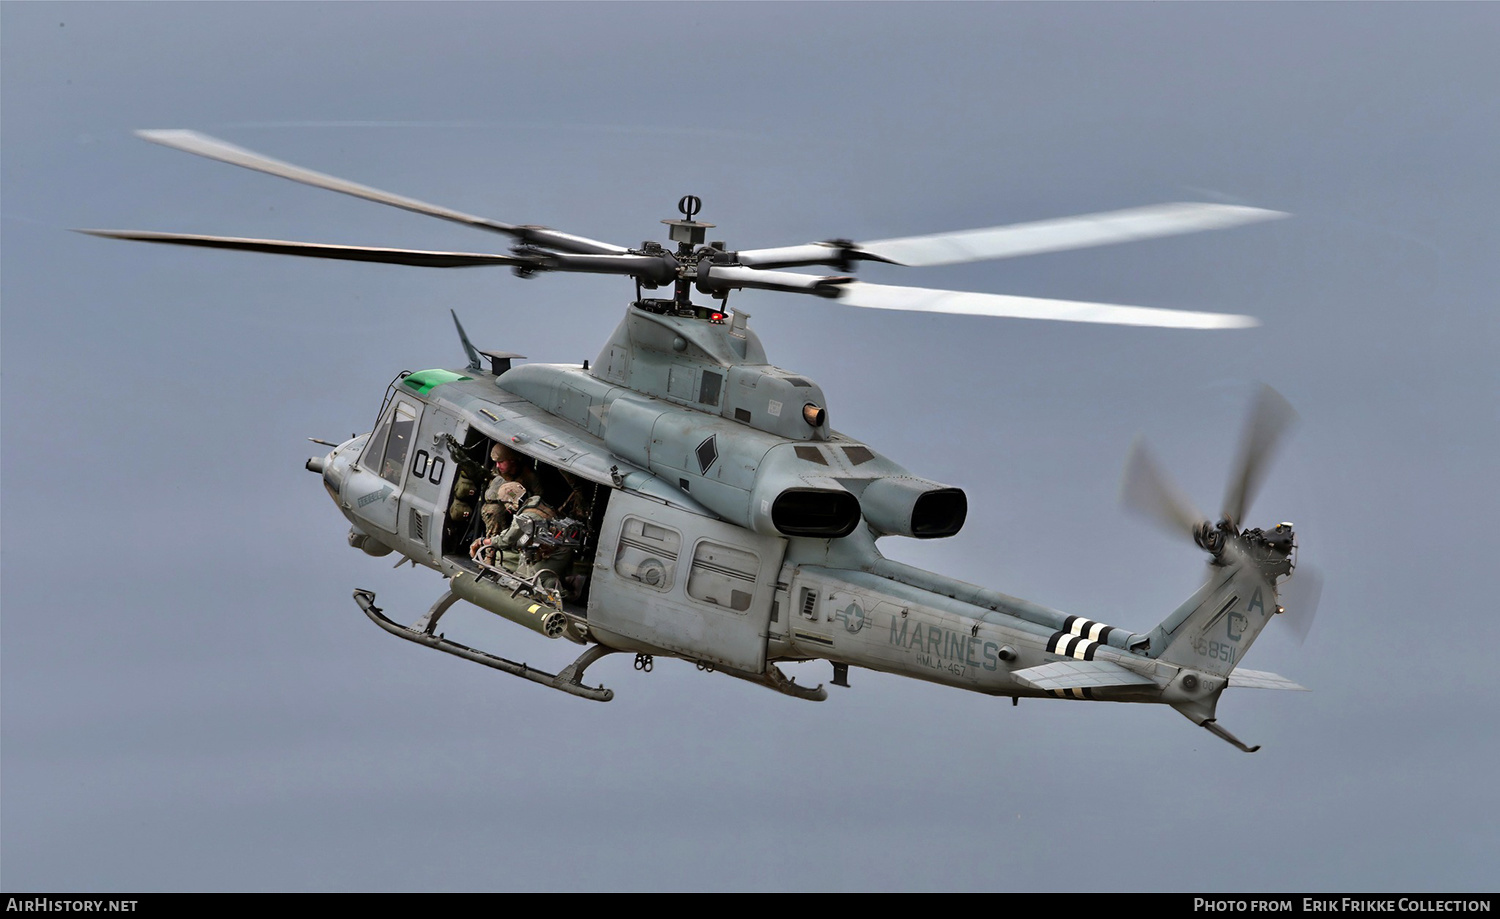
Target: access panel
689	585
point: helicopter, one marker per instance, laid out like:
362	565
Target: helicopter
683	497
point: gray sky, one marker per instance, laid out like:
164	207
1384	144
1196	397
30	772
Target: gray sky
191	700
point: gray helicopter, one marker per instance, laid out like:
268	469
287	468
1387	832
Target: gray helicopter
683	497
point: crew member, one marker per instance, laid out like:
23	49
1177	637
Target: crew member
523	552
468	484
508	468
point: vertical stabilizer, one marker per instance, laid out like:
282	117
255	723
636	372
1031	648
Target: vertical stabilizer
1211	632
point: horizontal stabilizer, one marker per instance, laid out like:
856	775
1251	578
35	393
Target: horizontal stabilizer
1078	675
1260	679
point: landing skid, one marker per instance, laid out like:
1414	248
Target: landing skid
422	633
773	678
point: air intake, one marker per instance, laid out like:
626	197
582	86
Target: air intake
815	512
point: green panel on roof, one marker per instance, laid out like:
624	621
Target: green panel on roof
425	381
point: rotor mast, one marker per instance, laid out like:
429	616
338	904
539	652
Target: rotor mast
689	235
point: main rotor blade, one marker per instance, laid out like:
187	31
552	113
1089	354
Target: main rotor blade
716	279
1018	239
422	257
224	152
1269	419
1063	233
922	299
1146	490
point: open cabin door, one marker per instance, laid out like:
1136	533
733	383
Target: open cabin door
694	586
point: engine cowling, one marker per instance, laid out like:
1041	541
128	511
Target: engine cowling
909	506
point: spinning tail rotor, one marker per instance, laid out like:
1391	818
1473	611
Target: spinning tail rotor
1146	490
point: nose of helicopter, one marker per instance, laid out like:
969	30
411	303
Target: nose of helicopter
334	467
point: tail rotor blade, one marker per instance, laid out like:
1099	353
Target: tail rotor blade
1146	490
1299	597
1270	418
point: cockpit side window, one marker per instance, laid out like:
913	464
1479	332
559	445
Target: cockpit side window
402	424
375	446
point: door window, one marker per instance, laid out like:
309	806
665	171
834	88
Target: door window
723	575
648	553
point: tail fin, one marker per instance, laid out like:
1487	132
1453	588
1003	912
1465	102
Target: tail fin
1208	636
1211	632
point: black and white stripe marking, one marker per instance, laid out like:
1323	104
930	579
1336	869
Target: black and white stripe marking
1077	692
1079	638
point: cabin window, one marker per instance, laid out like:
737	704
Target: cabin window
647	553
723	575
